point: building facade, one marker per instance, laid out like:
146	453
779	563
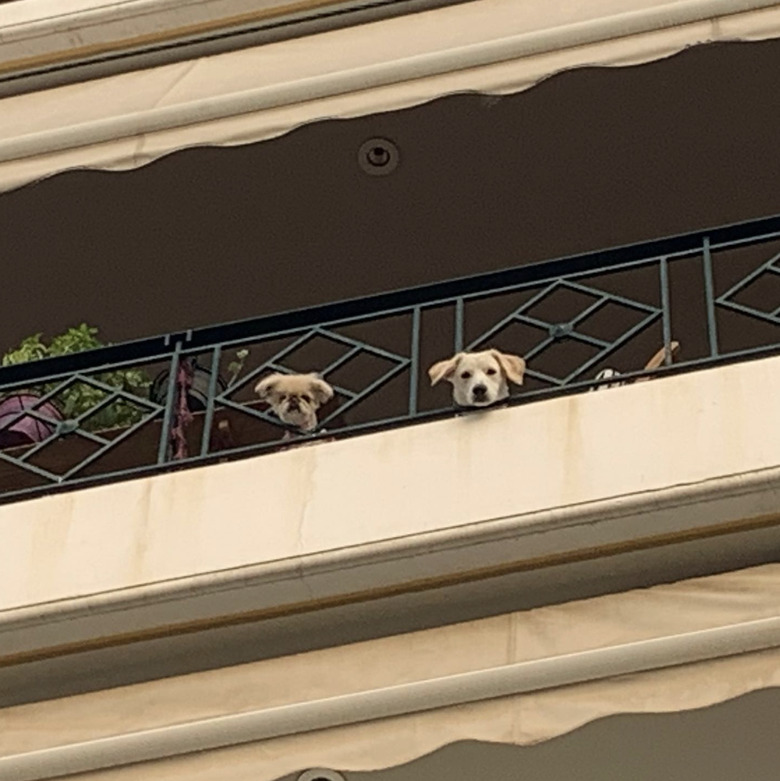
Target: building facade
190	587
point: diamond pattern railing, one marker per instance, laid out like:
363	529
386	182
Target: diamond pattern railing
568	330
716	292
726	300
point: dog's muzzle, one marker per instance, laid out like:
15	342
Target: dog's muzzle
479	393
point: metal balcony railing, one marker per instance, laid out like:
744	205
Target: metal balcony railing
716	292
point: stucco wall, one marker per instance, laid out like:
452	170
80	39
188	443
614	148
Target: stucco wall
342	496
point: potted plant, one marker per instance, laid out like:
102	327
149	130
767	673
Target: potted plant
75	400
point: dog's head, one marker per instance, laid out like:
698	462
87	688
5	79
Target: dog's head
479	379
607	374
295	398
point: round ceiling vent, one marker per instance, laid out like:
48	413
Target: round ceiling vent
378	156
320	774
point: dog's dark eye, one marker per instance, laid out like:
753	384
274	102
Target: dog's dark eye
465	375
306	398
490	371
282	397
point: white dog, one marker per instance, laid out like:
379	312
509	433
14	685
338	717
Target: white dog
295	398
608	374
479	379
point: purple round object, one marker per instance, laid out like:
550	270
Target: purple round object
27	429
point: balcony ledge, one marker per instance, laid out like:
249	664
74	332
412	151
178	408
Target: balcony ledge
561	492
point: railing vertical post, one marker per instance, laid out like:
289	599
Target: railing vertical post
666	313
208	418
414	366
170	395
459	324
709	292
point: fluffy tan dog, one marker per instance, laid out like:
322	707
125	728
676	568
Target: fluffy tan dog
479	379
295	398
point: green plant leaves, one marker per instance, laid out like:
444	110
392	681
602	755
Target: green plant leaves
80	397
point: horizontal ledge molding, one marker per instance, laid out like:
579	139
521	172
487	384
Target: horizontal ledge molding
356	708
486	532
374	76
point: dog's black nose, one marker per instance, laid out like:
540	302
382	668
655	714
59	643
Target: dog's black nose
293	404
479	391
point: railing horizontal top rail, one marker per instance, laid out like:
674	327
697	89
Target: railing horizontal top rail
384	303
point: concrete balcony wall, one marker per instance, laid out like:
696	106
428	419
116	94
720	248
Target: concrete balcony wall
482	489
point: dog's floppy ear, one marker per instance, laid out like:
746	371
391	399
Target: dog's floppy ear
320	390
513	366
267	386
443	370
